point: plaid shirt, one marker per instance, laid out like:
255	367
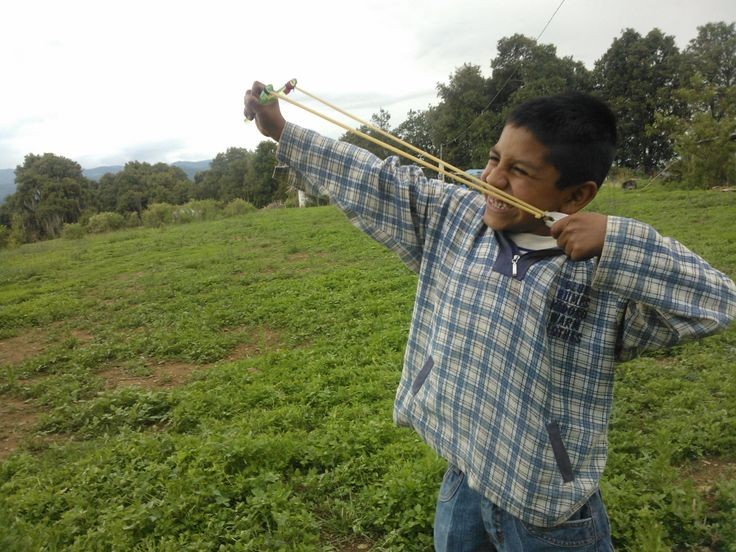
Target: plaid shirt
511	378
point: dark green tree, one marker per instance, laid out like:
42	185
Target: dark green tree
704	144
638	77
472	109
263	188
416	130
524	69
379	120
454	125
140	184
50	191
713	53
710	59
227	177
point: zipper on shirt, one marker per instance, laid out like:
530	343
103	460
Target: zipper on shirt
514	260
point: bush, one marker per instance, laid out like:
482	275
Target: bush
205	209
105	222
239	207
73	231
157	215
132	219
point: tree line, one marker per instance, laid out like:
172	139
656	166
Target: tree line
51	191
676	113
676	109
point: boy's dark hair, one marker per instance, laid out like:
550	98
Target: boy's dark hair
579	131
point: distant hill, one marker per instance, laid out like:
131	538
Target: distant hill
97	172
189	167
193	167
7	176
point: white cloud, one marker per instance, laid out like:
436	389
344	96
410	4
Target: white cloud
99	82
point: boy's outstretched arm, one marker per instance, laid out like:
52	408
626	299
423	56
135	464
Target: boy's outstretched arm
668	293
391	203
267	116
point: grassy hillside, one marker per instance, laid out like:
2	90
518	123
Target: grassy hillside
229	384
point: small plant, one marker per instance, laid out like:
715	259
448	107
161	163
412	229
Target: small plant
157	215
105	222
74	231
239	206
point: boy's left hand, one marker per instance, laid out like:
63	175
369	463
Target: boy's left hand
581	235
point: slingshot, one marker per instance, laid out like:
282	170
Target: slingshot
441	167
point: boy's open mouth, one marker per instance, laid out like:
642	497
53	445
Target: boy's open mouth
497	204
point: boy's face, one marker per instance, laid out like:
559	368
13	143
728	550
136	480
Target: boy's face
517	165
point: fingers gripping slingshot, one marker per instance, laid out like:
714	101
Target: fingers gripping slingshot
458	175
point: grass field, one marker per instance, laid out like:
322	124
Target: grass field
228	385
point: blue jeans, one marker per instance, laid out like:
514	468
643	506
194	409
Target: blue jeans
467	522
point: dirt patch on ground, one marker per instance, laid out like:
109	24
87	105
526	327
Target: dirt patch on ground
348	544
15	350
17	420
256	342
160	375
709	471
36	341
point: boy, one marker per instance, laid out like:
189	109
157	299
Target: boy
508	371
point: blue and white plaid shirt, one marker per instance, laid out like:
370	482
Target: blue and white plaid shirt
510	378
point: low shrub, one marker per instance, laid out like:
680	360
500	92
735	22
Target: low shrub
204	209
74	231
157	215
105	222
239	206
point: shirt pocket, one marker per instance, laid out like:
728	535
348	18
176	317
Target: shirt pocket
568	450
422	375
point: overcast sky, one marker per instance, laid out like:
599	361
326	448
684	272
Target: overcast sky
109	82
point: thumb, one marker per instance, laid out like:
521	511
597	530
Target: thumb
559	226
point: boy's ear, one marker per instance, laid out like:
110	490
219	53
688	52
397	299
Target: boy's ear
579	196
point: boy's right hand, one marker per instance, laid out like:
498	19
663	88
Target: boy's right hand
267	115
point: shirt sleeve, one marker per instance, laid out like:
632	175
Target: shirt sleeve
668	293
390	202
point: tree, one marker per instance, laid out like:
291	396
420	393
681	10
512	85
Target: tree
140	184
51	191
416	130
638	77
713	53
710	58
703	138
524	69
472	109
453	123
239	173
379	120
263	186
701	130
227	177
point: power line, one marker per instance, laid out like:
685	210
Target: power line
503	86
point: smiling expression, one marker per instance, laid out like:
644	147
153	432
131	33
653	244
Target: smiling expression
518	165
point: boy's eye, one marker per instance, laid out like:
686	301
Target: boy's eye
519	170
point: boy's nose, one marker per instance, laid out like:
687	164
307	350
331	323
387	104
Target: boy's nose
497	178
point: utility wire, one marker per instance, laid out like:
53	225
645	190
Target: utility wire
508	80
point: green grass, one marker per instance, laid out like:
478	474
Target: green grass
290	326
